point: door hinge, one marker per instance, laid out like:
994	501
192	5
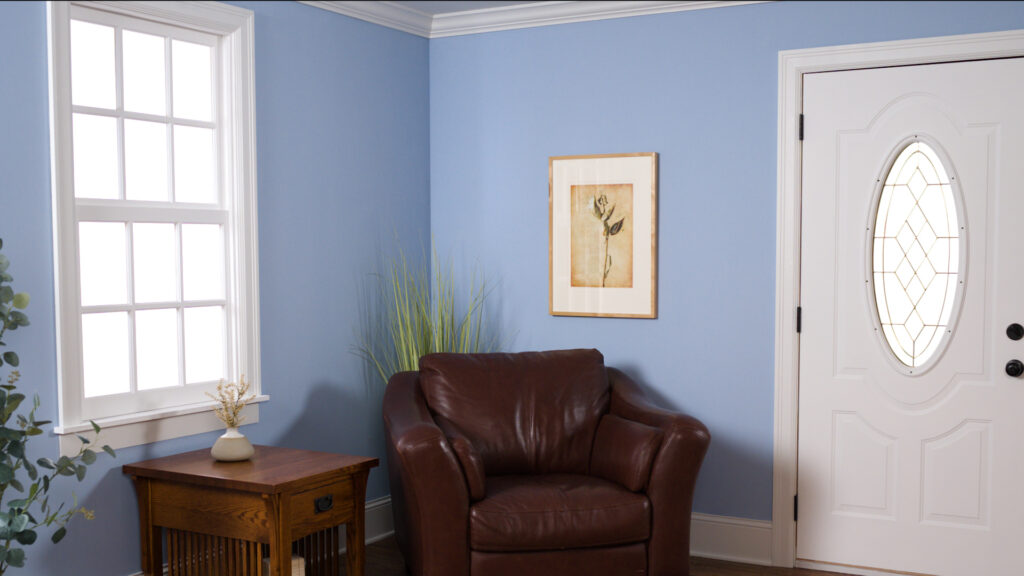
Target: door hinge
799	318
795	507
801	127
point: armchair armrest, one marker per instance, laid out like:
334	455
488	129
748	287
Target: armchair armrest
427	485
673	475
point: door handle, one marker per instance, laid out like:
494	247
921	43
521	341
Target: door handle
1014	368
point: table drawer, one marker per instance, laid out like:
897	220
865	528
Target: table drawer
321	507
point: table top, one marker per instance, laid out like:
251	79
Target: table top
271	470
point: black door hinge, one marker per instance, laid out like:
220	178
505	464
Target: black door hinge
799	318
794	507
801	127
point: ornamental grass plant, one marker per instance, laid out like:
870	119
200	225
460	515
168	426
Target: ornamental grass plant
421	313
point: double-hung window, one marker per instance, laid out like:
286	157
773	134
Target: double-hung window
154	213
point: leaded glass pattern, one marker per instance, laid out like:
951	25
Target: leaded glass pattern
916	255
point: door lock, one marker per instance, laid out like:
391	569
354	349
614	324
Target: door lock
1014	368
1015	331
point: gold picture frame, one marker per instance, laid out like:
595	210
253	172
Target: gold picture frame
602	235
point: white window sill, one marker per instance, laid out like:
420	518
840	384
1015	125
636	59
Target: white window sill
152	426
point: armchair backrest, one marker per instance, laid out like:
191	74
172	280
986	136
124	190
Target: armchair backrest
525	413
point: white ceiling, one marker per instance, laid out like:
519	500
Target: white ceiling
434	8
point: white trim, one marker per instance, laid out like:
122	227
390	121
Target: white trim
793	64
389	14
530	15
233	29
379	524
732	539
148	427
828	567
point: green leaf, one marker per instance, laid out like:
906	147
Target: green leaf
5	263
6	294
6	473
17	449
5	277
17	485
95	427
16	557
82	439
80	472
88	456
27	537
19	523
20	503
109	450
12	359
3	555
21	300
46	463
59	534
19	318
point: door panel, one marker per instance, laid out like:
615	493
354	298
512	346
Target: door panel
914	469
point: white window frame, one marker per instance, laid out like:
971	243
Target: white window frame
233	28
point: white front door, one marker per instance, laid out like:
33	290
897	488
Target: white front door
911	430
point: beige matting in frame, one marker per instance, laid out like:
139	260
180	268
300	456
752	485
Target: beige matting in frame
602	235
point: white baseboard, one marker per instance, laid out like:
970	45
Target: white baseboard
711	536
732	539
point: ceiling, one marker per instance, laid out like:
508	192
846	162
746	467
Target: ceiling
434	8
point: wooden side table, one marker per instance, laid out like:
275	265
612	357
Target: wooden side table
220	517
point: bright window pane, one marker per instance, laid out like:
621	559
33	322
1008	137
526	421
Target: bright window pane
202	255
204	344
144	73
194	161
916	258
155	263
105	353
92	65
191	80
103	263
95	152
156	348
145	151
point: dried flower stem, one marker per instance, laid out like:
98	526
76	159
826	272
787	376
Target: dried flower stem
232	399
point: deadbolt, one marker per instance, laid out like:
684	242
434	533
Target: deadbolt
1014	368
1015	331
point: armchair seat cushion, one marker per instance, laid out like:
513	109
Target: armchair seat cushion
556	511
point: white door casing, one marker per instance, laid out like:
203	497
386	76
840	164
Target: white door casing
793	66
914	471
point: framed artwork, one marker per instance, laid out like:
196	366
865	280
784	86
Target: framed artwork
602	247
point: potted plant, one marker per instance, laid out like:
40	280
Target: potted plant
25	506
419	316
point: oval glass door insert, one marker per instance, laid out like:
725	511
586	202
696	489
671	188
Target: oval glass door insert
916	263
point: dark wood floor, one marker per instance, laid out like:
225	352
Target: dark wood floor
384	559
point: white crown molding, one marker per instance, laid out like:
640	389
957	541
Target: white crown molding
551	13
400	17
388	14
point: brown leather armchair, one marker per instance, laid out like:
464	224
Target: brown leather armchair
537	463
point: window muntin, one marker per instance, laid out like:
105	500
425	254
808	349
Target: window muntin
916	255
123	349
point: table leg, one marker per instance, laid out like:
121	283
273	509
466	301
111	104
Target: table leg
355	531
280	537
149	535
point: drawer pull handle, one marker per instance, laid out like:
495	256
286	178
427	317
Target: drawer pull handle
324	503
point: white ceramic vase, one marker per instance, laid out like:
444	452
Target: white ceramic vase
232	446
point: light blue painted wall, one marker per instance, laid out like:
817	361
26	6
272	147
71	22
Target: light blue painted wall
700	88
342	127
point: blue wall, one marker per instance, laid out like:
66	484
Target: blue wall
700	88
342	128
365	134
